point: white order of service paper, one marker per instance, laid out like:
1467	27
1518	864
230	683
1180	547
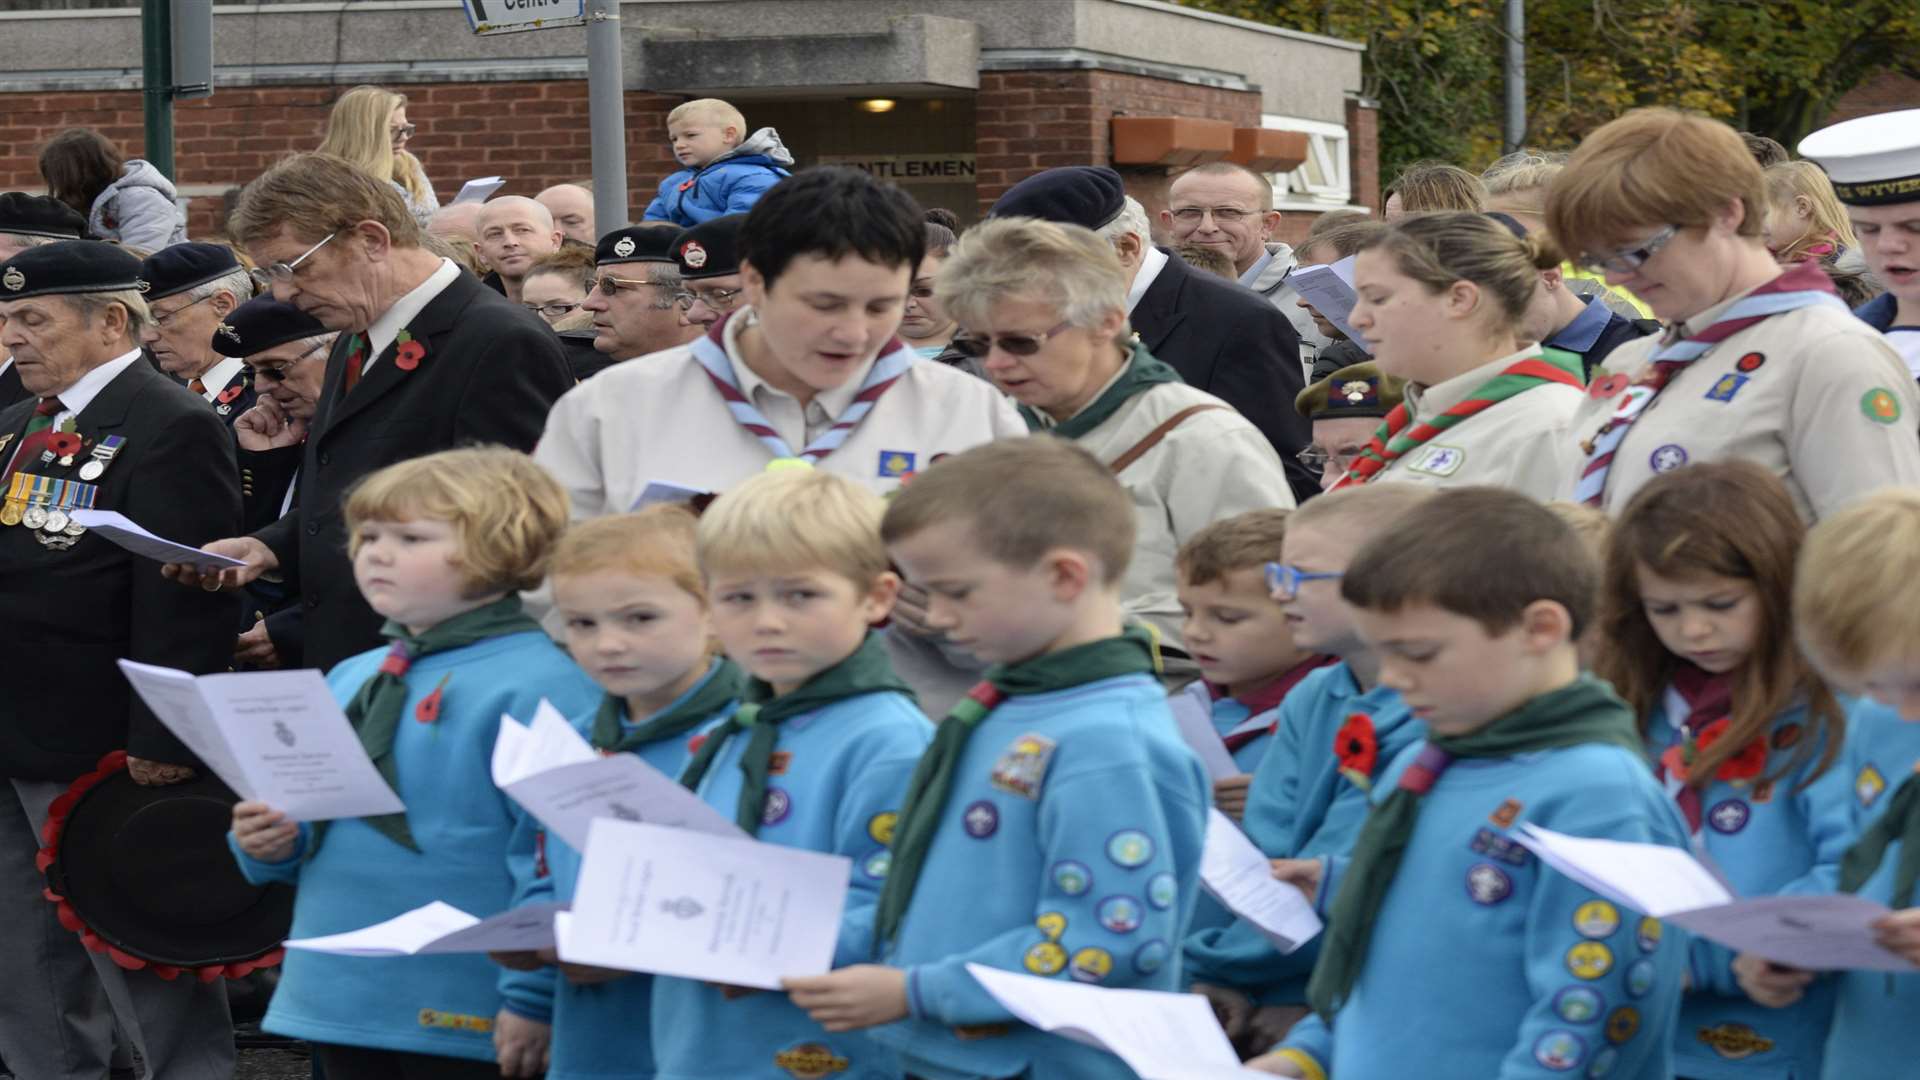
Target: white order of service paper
123	532
1240	876
1193	711
440	927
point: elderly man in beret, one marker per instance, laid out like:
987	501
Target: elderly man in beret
190	290
709	259
30	221
1345	409
106	431
1221	338
636	300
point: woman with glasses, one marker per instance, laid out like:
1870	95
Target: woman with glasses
555	289
369	127
1759	363
926	326
1042	306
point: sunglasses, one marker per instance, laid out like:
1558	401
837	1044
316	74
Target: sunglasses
1011	344
284	271
278	372
1627	260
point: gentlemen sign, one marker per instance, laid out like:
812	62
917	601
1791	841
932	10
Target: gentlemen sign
510	16
909	168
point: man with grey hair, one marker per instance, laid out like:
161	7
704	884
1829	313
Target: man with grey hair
29	221
190	291
515	231
1220	337
103	430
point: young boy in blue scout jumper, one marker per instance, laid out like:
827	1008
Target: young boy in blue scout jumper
1444	941
1055	826
627	590
1337	730
1853	606
441	547
816	757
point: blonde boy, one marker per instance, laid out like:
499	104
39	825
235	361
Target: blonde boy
723	169
1055	826
816	757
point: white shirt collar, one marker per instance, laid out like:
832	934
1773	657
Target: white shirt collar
219	375
5	364
830	402
404	310
76	398
1151	263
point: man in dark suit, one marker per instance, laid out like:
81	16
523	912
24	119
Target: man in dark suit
428	359
104	430
1221	338
29	221
191	289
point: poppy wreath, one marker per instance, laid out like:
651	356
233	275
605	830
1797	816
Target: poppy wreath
410	353
1357	748
50	836
1745	765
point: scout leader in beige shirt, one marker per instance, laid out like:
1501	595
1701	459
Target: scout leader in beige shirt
1813	394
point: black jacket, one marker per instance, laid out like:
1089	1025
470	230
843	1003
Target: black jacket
236	397
583	360
491	372
71	614
10	388
1233	344
1619	330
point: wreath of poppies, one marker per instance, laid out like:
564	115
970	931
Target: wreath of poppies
1748	763
1357	748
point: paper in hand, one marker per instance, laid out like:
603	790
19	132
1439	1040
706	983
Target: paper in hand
119	530
478	191
1240	877
659	492
1193	712
438	928
1330	290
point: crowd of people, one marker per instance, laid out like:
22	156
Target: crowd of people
904	540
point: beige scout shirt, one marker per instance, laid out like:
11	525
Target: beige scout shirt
1521	443
1814	395
659	418
1211	467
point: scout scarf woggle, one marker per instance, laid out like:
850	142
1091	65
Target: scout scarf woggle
1132	653
719	686
711	352
1141	373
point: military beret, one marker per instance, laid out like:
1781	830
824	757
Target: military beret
646	242
1355	390
37	215
262	323
173	270
1089	195
710	249
68	266
1872	160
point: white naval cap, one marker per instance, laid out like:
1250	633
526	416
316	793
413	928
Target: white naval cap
1872	160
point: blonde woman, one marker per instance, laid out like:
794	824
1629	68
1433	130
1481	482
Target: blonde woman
1805	219
369	127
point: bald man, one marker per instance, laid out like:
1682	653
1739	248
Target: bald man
572	208
514	232
459	220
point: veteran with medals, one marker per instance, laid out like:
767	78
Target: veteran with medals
29	221
101	429
190	288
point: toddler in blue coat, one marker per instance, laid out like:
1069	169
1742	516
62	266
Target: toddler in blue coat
1055	826
1445	939
725	170
441	547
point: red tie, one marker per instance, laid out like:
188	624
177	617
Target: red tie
39	433
194	384
356	359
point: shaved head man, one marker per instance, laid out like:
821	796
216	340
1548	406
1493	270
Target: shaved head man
572	208
514	232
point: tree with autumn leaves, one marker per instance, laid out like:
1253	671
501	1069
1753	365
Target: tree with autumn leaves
1775	67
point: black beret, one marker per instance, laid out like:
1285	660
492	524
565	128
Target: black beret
38	215
262	323
173	270
1088	195
711	248
647	242
69	266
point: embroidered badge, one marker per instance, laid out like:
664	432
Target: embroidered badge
1559	1050
1052	924
1589	960
981	820
434	1018
1119	914
1596	919
1603	1063
808	1061
1667	458
1150	957
1577	1005
1728	817
1071	877
693	254
1734	1041
1623	1024
624	246
1639	978
1506	814
778	805
1162	891
1868	785
1045	958
1750	363
1494	846
1356	391
1880	406
1023	766
1092	965
1438	460
877	865
1728	386
1487	884
1129	848
1647	934
881	826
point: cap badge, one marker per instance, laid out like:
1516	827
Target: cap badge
1355	392
693	254
143	285
624	247
14	280
226	331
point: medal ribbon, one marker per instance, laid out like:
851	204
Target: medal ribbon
894	360
38	433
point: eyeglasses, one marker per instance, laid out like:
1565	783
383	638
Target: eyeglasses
402	134
278	372
284	271
1225	215
717	299
1314	457
1284	581
166	321
554	310
608	285
1011	344
1627	260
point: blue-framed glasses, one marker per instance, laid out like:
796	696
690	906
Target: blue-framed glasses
1284	581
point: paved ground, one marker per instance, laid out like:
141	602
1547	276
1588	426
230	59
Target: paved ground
272	1065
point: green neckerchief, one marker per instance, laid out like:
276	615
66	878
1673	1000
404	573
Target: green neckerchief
721	684
375	709
1142	371
1133	652
867	671
1900	822
1584	711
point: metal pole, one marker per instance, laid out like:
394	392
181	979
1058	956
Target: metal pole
1515	129
156	77
606	115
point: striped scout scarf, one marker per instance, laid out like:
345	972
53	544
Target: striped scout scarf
711	351
1805	285
1395	438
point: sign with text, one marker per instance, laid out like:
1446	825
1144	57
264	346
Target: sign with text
910	168
512	16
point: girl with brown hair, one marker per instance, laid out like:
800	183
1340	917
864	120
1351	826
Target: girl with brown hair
125	201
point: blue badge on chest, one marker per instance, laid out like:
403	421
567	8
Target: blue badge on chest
895	464
1728	817
1728	386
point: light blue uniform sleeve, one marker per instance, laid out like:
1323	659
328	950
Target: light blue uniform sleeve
527	993
1111	908
880	789
287	871
1274	793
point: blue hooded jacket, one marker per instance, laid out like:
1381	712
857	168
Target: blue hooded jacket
729	184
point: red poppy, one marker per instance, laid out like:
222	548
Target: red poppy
409	356
1606	386
63	443
1356	745
1749	762
429	708
226	396
694	744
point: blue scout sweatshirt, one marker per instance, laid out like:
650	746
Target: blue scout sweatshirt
600	1030
1486	965
1766	838
477	848
1874	1034
729	184
838	789
1301	807
1072	850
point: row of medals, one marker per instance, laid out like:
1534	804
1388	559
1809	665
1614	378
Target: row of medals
54	528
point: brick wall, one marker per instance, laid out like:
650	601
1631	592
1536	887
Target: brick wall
533	134
1363	150
1885	92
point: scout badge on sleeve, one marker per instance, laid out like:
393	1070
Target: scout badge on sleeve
1024	766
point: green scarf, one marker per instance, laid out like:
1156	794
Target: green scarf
1584	711
1142	371
1900	822
721	684
375	709
867	671
1135	651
